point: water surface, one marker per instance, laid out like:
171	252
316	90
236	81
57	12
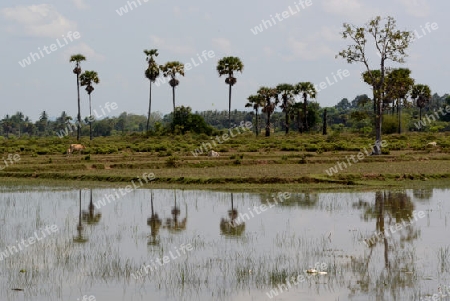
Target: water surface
194	245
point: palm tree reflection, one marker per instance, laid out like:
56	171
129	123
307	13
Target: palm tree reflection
174	224
80	238
90	217
231	226
155	223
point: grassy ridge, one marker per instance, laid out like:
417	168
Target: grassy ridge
244	160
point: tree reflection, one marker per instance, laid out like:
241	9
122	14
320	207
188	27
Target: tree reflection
89	216
230	227
389	210
423	194
80	238
155	223
174	224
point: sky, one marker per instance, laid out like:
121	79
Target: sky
295	46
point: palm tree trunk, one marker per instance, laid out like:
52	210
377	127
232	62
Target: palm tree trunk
149	106
286	122
399	115
305	110
90	118
229	107
324	127
378	120
173	100
268	125
79	108
257	131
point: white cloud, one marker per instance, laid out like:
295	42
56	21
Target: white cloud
416	8
349	8
80	4
85	50
314	46
308	50
268	51
175	47
222	44
41	20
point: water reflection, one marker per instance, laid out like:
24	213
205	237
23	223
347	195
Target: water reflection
395	230
279	243
231	227
89	216
155	223
423	194
174	224
80	238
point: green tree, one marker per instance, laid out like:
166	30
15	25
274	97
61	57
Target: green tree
171	69
152	73
305	89
390	43
398	85
270	97
286	92
256	102
87	79
227	66
421	95
78	58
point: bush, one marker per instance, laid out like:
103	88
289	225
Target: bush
173	161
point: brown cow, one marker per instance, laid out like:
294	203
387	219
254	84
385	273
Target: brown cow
75	147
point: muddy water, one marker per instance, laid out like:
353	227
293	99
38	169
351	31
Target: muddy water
199	245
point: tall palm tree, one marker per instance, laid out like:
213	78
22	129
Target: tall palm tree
398	85
305	89
43	122
152	73
6	124
255	101
270	97
87	79
227	66
286	91
423	95
171	69
78	58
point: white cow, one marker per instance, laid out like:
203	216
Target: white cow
212	153
75	147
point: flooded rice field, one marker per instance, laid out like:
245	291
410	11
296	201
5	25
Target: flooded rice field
104	244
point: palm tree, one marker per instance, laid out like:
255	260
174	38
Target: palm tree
255	101
423	94
305	89
6	124
43	121
172	69
398	85
227	66
78	58
270	97
286	92
152	73
87	79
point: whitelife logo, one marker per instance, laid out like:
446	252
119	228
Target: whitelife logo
48	50
11	250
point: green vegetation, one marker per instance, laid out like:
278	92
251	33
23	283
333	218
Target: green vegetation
244	160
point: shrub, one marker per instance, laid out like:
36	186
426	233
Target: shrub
173	161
